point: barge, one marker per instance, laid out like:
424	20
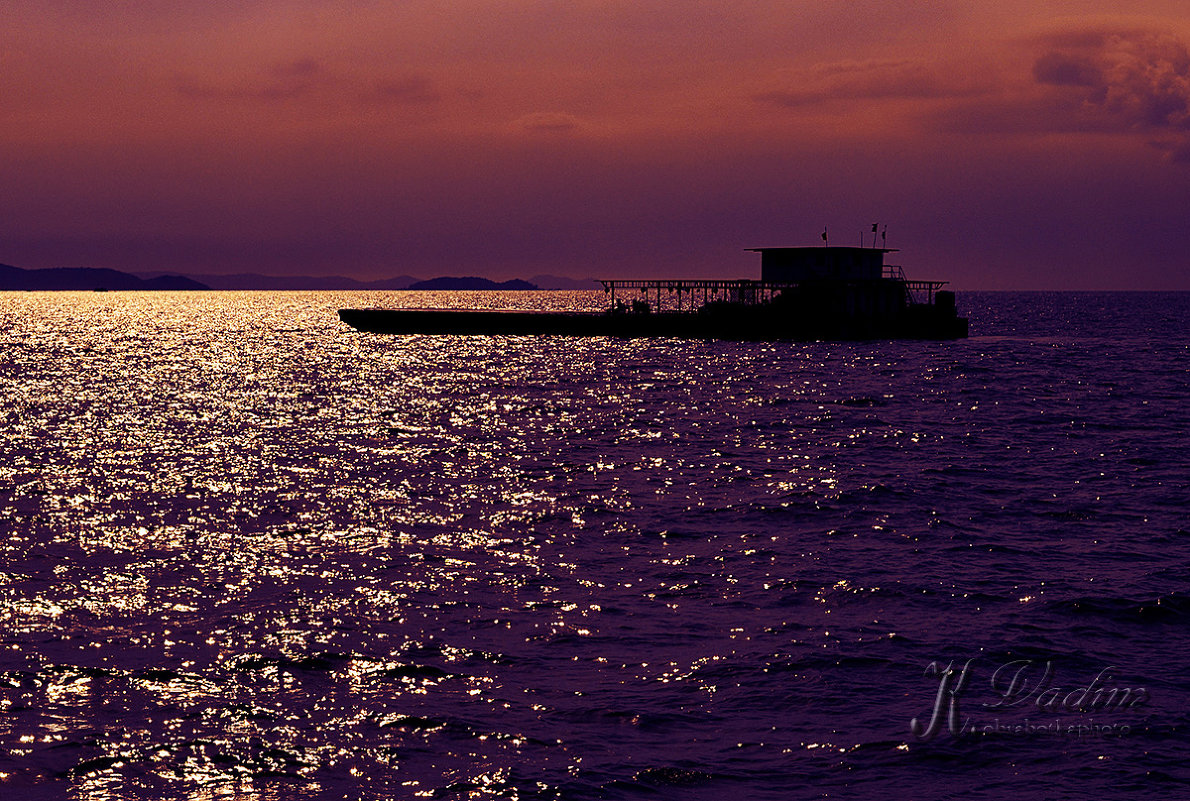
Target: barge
804	293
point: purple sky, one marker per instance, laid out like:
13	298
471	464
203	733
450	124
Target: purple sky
1029	145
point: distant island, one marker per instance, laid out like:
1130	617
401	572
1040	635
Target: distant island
341	282
99	279
88	279
471	282
250	281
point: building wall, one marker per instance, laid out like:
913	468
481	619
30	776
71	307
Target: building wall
805	264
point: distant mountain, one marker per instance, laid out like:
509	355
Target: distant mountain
471	282
87	278
307	282
562	282
333	282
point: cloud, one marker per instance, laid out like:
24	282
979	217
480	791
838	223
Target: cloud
871	80
549	122
281	82
1107	80
307	78
1062	69
1129	80
411	89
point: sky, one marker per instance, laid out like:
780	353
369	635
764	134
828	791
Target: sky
1021	144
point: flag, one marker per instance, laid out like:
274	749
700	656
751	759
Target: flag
875	226
824	239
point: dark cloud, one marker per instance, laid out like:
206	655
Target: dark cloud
412	89
1180	153
871	80
549	122
293	79
281	82
306	77
1133	79
1061	69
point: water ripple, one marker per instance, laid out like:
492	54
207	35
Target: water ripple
251	553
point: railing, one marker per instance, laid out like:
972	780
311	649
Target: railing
681	295
688	295
922	292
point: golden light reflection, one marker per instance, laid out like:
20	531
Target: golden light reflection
286	554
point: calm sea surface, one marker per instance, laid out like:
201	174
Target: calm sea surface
251	553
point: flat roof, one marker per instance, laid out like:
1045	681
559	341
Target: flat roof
822	247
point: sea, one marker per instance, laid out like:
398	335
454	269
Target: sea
251	553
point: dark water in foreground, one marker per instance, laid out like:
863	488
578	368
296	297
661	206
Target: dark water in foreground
249	553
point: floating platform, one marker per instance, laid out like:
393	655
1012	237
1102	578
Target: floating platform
804	294
727	321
